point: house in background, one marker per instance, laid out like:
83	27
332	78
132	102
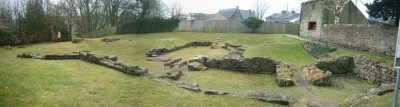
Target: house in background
284	16
203	16
183	17
236	13
224	14
314	16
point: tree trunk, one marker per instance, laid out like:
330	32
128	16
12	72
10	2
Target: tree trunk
337	19
145	8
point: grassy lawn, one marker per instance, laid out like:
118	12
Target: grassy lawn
26	82
378	101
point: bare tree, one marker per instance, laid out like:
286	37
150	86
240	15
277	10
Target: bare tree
336	6
176	10
88	15
112	8
158	9
260	8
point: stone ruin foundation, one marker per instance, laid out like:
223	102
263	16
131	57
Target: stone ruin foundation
162	50
111	61
370	69
284	75
246	65
108	39
316	76
234	61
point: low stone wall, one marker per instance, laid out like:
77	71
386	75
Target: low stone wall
316	76
161	51
111	62
336	65
366	68
284	75
103	60
62	56
247	65
373	71
107	39
373	38
272	98
377	91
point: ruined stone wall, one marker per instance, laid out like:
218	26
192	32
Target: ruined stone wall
161	51
373	71
247	65
373	38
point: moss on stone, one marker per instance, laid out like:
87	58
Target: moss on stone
340	65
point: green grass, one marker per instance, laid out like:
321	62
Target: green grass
27	82
378	101
107	31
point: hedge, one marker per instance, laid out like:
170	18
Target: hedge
148	25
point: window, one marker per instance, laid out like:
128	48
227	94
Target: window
312	25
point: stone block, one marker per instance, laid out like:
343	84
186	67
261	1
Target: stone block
195	66
316	76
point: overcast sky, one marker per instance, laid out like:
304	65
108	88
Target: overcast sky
275	6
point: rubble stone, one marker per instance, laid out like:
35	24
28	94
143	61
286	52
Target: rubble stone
316	76
284	75
195	66
29	55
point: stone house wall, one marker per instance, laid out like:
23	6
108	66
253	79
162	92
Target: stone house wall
373	38
315	11
350	15
311	11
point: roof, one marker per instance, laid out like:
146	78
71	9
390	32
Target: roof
201	16
228	13
284	16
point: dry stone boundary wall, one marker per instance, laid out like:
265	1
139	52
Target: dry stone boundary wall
373	38
373	71
366	68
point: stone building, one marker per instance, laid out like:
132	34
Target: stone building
314	16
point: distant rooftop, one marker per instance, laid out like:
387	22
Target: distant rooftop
284	16
228	13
